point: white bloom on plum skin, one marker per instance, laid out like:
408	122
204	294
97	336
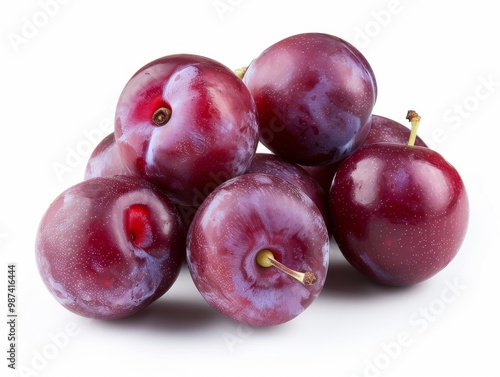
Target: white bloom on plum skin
242	217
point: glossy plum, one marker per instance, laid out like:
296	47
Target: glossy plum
108	247
323	174
186	123
386	130
106	161
399	213
240	219
275	165
382	129
314	94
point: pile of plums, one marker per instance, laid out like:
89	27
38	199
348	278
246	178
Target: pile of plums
180	181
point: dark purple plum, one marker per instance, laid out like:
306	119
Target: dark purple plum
108	247
186	123
314	94
258	250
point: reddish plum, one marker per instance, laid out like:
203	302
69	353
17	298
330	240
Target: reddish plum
382	130
275	165
323	174
186	123
399	212
241	238
105	160
108	247
314	94
386	130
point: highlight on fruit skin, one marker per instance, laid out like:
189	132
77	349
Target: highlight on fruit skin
258	250
400	212
108	247
186	123
315	94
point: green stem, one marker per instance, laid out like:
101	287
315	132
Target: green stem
414	118
240	72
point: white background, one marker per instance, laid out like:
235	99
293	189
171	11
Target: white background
59	81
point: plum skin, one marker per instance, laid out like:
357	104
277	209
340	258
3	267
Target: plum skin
314	94
386	130
210	136
105	160
242	217
399	213
293	173
382	130
108	247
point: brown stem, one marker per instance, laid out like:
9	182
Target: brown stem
162	116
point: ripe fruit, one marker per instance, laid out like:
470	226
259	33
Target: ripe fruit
105	160
243	223
179	180
292	173
314	94
108	247
399	212
382	130
186	123
389	131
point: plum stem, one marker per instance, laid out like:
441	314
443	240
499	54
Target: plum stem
240	72
414	118
265	258
162	116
